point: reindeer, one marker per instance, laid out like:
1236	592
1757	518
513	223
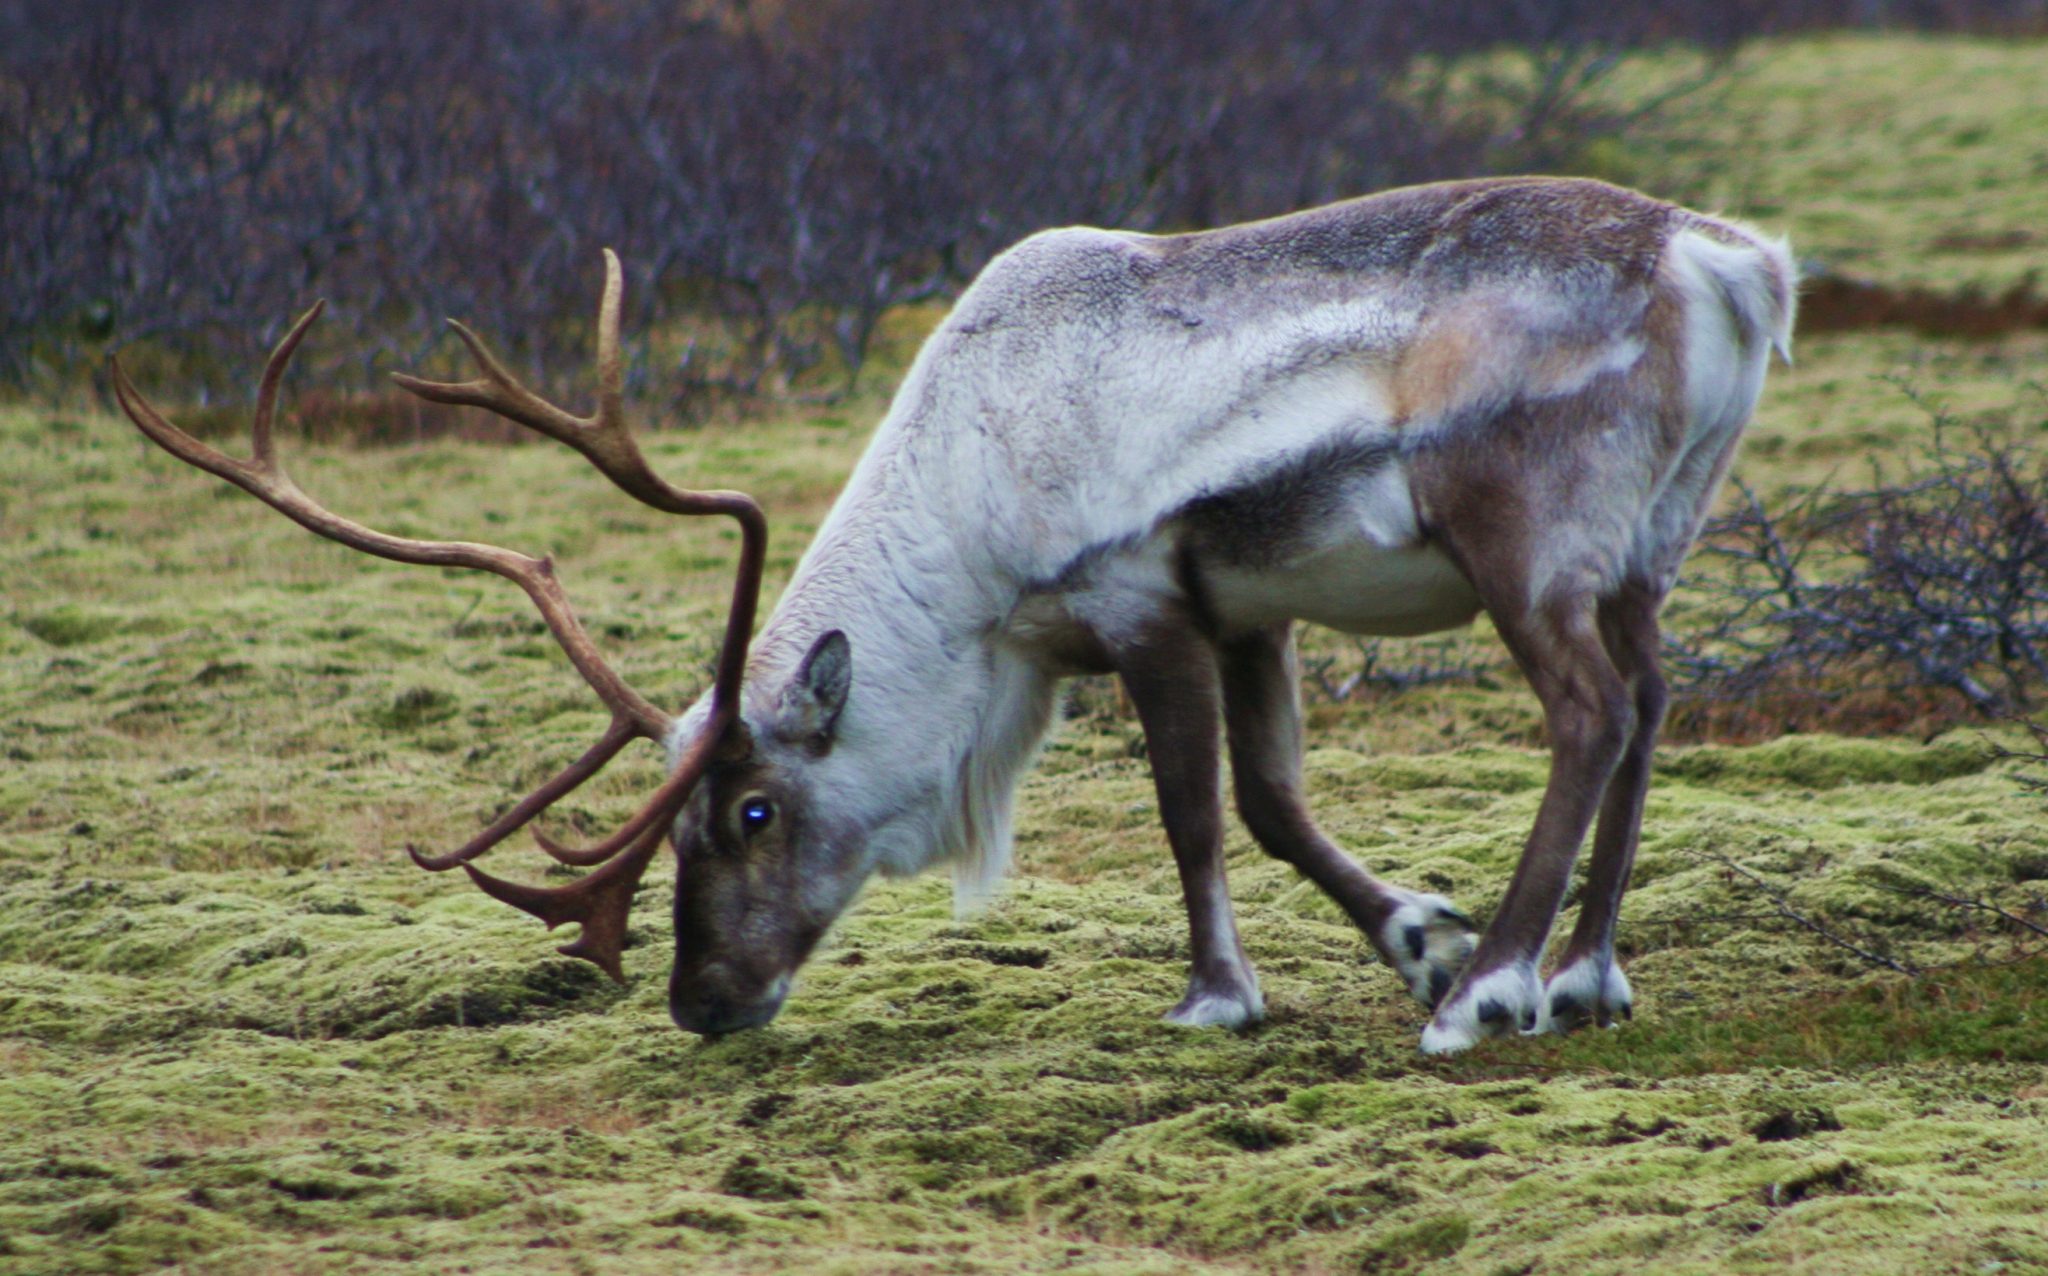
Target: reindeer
1151	455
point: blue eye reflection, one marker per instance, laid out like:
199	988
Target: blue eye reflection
756	814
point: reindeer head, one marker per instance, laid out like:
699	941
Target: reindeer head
764	863
762	870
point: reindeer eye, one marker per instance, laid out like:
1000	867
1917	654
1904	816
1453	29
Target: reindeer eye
756	813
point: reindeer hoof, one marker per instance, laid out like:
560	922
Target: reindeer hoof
1589	989
1427	941
1220	1003
1494	1004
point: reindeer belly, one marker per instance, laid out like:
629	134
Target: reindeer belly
1358	586
1331	539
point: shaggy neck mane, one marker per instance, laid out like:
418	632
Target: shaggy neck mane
941	709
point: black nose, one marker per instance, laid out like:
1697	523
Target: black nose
709	1013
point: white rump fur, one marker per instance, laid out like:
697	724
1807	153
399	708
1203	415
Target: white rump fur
1739	307
1739	302
1757	281
1075	400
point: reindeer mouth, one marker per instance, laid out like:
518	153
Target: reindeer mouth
715	1015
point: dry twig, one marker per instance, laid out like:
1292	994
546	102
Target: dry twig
1782	904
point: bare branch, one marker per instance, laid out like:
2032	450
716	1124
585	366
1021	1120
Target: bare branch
1782	903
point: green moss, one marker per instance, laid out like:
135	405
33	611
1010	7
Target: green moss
69	626
413	708
1418	1244
747	1177
1828	762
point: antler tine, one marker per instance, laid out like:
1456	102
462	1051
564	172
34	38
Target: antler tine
263	444
264	478
602	900
603	437
667	800
607	442
259	474
618	735
725	705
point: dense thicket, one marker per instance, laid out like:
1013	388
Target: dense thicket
777	173
1904	605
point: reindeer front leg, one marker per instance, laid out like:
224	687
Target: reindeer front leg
1423	937
1170	673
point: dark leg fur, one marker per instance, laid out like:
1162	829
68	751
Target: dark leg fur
1423	937
1172	679
1591	720
1588	987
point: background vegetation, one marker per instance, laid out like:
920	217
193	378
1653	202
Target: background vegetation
238	1033
777	174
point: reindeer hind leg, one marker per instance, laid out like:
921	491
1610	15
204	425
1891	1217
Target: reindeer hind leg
1588	986
1591	720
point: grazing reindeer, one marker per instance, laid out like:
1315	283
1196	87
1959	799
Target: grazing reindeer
1151	455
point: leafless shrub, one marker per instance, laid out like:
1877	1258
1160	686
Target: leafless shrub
777	174
1844	606
1391	665
1865	944
2033	768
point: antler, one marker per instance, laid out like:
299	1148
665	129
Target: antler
601	900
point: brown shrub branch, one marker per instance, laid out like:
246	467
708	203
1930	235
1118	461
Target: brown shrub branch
1841	608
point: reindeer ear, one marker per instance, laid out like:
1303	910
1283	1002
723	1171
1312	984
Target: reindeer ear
815	696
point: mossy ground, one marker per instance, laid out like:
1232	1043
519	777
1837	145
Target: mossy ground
239	1034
